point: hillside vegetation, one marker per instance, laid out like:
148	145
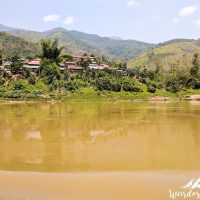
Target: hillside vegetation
75	42
168	56
12	45
118	82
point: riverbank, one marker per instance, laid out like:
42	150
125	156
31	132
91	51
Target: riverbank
93	95
91	186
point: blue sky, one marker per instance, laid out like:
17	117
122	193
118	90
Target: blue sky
145	20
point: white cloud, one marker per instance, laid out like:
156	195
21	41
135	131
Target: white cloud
51	18
176	20
132	4
188	10
197	22
70	20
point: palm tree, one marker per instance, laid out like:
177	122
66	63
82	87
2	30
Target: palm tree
51	51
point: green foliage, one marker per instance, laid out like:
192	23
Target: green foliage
2	81
12	45
67	57
71	86
195	66
18	85
17	67
1	58
151	89
49	71
51	51
172	84
75	41
32	80
129	85
84	63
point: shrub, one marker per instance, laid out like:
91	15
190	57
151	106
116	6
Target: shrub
151	89
103	84
129	85
71	86
18	85
14	94
2	81
32	80
109	84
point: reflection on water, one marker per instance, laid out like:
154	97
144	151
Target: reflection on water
118	136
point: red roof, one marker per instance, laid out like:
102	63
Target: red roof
34	62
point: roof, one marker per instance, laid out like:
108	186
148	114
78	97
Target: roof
70	63
96	67
72	67
34	62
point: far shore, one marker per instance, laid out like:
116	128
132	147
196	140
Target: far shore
152	99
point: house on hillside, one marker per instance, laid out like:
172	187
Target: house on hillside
94	65
80	56
33	65
73	68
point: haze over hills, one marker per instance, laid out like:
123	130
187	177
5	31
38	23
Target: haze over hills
75	41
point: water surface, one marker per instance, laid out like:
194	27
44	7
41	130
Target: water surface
100	137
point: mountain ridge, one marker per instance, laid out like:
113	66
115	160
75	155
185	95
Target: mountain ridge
76	41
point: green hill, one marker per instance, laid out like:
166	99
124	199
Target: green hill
12	45
76	42
175	53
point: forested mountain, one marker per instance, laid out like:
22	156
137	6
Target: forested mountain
76	42
11	45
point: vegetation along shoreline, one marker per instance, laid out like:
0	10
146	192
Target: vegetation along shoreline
54	75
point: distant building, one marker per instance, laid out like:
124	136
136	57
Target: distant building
6	64
32	64
98	67
73	68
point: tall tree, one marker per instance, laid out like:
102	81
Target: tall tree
18	68
195	66
51	51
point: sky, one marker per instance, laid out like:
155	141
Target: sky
151	21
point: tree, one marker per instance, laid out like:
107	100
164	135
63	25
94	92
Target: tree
51	51
17	67
195	66
49	71
67	57
129	85
84	63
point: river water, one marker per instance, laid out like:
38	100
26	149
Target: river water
76	148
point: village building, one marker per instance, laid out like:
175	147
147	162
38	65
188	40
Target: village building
33	65
73	67
94	65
